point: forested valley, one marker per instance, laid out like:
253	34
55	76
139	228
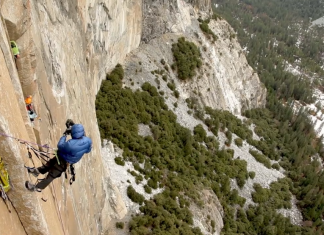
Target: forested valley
274	34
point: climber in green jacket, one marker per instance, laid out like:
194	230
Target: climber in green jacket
14	49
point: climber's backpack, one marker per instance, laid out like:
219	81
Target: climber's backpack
4	180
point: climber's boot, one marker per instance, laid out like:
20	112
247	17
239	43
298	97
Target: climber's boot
31	187
32	170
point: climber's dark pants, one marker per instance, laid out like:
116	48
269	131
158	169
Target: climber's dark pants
54	171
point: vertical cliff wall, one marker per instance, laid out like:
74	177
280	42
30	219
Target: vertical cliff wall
66	48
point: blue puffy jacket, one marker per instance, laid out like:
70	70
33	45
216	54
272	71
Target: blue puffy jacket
72	150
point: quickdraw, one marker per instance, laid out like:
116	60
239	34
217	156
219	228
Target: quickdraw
42	155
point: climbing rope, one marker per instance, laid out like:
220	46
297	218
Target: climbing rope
25	141
58	212
43	157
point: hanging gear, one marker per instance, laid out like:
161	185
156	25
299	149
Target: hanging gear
25	141
72	172
41	155
3	193
45	159
5	184
60	165
57	158
4	177
4	197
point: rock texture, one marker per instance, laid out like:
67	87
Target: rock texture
225	81
66	49
160	17
209	217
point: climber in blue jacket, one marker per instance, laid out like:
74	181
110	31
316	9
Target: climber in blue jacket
68	153
73	150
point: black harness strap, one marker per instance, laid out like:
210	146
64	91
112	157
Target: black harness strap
72	171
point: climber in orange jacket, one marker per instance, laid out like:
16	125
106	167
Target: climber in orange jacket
28	100
30	109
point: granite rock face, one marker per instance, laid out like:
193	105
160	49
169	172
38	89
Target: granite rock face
66	49
212	211
224	81
176	16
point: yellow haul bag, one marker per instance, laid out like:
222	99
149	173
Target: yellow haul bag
4	176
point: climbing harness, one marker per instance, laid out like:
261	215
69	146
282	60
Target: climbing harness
42	155
57	158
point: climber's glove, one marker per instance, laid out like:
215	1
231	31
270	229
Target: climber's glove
69	123
67	131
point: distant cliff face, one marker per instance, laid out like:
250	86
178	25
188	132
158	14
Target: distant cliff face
66	49
161	17
225	81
